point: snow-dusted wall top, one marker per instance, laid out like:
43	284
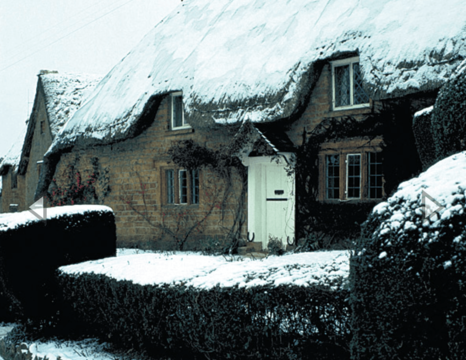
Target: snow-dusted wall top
251	59
64	94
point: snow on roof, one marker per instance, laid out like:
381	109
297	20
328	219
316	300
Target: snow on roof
203	271
64	94
13	155
247	59
13	220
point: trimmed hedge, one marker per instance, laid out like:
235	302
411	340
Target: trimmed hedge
448	123
286	322
422	129
408	282
31	252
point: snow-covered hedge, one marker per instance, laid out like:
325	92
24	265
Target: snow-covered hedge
408	272
441	130
263	309
32	249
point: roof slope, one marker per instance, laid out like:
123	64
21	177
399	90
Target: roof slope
248	59
63	94
12	157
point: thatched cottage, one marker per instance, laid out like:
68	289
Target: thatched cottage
240	119
57	97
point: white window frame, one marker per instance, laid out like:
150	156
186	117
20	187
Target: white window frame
184	125
347	173
350	62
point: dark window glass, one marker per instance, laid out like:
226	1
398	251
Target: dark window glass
170	187
177	111
375	176
354	176
195	186
359	95
333	176
183	186
342	86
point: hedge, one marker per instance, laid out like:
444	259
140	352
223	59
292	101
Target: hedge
264	322
32	250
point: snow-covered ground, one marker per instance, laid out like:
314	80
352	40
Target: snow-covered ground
204	271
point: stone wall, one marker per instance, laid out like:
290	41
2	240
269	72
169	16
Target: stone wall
12	195
41	141
131	177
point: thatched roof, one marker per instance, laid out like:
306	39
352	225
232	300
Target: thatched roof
63	94
11	159
253	60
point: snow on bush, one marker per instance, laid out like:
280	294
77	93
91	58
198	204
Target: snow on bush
202	271
408	270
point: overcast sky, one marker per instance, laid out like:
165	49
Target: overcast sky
86	36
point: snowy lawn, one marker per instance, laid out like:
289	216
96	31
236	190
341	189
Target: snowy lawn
204	271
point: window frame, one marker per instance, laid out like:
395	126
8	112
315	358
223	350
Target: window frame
364	171
184	125
339	63
175	197
379	164
347	176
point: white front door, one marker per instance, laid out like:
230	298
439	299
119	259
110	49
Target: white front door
271	200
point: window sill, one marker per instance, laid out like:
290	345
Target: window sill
352	107
179	131
180	205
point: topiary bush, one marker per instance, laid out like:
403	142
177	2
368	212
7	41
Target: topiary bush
422	129
449	116
408	271
31	250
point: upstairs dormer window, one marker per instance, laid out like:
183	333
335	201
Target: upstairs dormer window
348	92
177	113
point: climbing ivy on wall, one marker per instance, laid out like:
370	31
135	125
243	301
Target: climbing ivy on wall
74	187
325	224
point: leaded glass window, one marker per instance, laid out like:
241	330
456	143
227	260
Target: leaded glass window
195	186
333	176
170	186
353	177
348	88
183	181
375	176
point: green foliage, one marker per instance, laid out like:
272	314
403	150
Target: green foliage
19	352
79	189
407	288
399	156
264	322
31	253
422	129
449	116
275	246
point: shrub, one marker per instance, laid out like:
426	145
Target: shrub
263	322
422	129
408	271
449	116
275	246
31	250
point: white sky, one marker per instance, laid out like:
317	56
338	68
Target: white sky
86	36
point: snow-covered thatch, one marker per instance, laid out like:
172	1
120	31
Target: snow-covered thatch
12	157
63	94
251	59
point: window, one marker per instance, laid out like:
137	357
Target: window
182	187
177	112
347	85
39	168
42	127
352	176
333	176
375	177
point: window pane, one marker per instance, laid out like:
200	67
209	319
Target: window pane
342	86
195	186
359	95
177	111
183	186
333	176
170	186
375	175
354	176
